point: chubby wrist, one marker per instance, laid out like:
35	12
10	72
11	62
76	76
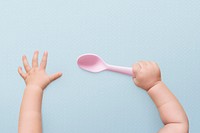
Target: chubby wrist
34	87
159	83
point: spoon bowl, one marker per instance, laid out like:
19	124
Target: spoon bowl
91	62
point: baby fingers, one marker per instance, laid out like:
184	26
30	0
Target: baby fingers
26	64
35	59
55	76
43	63
22	74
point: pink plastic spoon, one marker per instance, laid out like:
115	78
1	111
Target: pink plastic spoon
93	63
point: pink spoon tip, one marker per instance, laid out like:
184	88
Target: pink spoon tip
91	62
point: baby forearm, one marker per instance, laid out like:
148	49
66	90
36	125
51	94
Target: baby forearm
30	112
36	79
171	112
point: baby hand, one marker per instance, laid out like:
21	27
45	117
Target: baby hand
147	74
36	75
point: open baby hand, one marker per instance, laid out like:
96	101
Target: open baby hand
147	74
36	75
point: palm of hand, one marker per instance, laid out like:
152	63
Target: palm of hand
36	75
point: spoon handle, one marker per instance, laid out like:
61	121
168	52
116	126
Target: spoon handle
120	69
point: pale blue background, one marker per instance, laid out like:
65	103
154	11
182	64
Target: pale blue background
122	32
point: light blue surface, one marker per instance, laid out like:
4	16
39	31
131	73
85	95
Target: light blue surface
122	32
